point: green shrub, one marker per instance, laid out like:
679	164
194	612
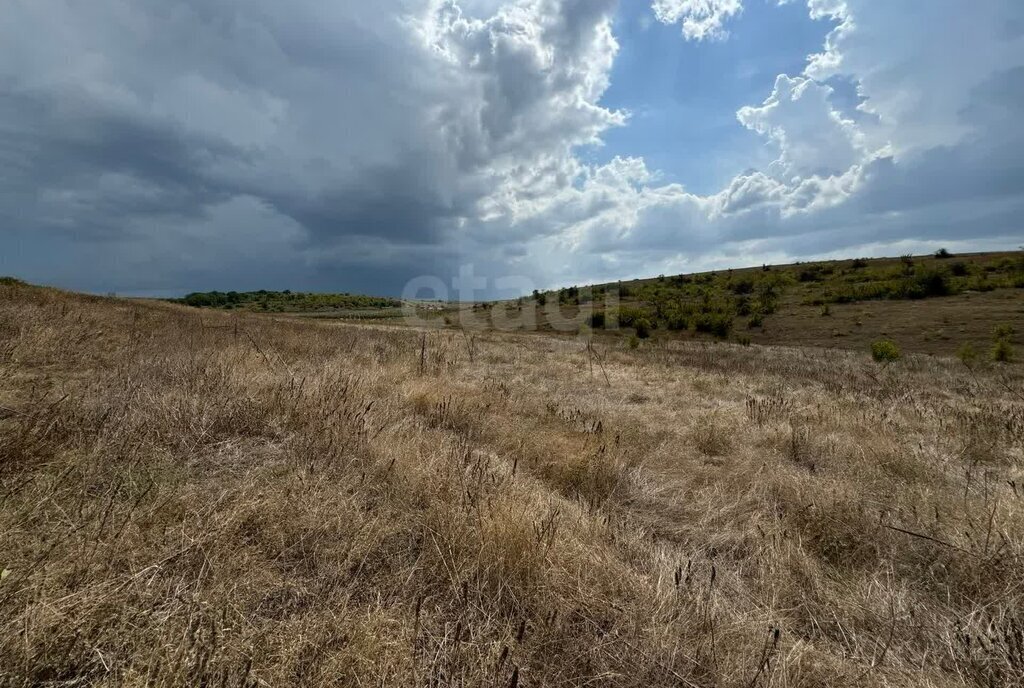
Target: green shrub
1002	332
11	282
942	254
627	316
743	306
885	351
743	286
768	298
1002	351
756	320
811	274
718	324
924	284
643	327
634	341
597	320
959	269
677	322
967	354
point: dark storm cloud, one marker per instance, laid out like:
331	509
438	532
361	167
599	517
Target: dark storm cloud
400	202
58	137
344	125
55	148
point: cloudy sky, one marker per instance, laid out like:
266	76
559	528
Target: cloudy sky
165	146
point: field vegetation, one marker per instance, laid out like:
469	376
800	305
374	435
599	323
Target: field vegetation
194	497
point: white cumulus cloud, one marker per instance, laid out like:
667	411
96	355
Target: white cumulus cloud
919	67
701	19
812	136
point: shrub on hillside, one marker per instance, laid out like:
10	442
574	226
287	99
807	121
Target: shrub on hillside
718	324
768	297
885	351
1003	331
1002	351
925	284
628	316
677	322
810	274
743	286
967	354
743	306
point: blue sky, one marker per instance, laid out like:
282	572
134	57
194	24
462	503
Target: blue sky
161	147
683	95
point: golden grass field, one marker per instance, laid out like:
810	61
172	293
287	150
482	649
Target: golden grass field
200	498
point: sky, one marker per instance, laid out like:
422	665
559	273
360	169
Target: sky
158	147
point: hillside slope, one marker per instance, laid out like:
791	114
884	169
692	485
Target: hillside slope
927	304
197	498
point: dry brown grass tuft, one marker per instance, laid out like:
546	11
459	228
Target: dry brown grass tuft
208	499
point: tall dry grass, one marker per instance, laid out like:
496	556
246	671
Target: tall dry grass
201	499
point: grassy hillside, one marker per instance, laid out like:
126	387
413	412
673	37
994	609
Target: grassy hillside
288	502
929	304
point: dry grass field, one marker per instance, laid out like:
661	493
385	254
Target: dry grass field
204	498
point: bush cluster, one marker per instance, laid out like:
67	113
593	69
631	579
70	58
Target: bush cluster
885	351
1002	349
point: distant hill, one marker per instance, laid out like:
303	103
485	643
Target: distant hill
286	301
